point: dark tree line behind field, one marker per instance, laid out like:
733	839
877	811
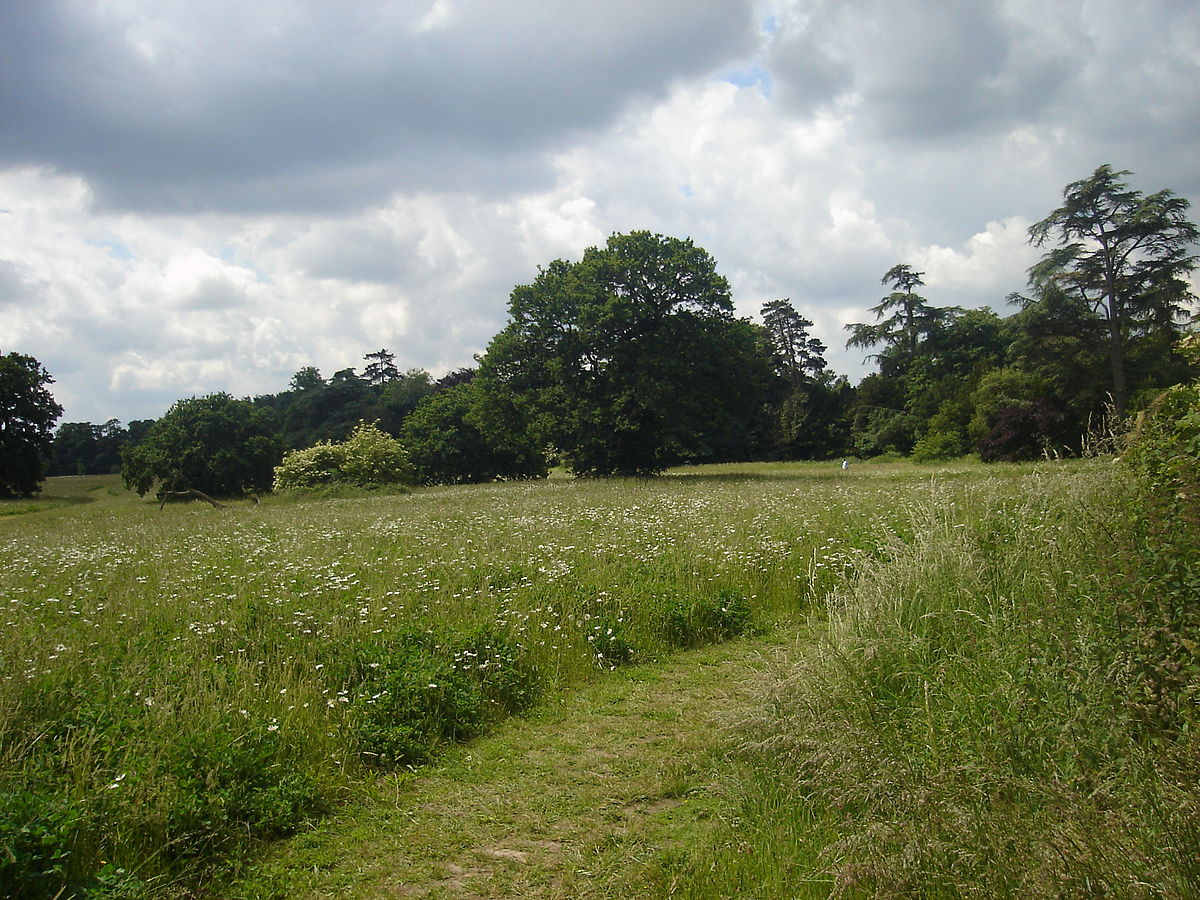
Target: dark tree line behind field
632	360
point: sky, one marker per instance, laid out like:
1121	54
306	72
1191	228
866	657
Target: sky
201	197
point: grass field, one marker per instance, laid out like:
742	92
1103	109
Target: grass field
181	687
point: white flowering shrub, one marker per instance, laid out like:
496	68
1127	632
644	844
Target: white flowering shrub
372	457
368	458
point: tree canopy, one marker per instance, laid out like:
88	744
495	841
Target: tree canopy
27	416
1124	256
215	444
630	360
460	436
904	319
799	354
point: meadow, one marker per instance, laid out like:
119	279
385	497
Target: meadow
180	687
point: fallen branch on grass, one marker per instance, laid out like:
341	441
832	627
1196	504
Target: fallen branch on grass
191	492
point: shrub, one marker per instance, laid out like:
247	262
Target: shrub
1021	432
216	444
422	691
507	683
609	645
36	835
457	436
1164	445
411	700
937	445
368	458
235	782
704	620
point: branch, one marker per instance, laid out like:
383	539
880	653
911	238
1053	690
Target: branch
190	492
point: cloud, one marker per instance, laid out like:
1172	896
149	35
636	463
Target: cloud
174	106
202	197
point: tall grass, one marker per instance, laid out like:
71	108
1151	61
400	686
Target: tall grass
178	686
1005	705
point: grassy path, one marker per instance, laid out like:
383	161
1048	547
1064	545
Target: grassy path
583	799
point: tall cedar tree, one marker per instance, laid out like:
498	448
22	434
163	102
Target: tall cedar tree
1125	257
800	355
909	320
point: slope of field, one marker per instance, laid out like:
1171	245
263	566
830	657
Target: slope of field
181	687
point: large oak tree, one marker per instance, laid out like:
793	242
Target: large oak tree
27	416
630	360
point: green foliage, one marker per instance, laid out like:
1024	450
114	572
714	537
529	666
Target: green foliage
1164	444
911	321
81	448
400	396
630	360
36	836
1125	257
367	459
232	783
215	444
381	367
370	457
151	653
811	420
319	464
705	618
1005	706
799	356
462	435
610	645
935	446
418	693
27	415
327	411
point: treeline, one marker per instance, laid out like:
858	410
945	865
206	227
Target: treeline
631	360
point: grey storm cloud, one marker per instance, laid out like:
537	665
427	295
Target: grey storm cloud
208	196
932	72
178	106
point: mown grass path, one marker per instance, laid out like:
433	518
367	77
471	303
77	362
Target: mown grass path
582	799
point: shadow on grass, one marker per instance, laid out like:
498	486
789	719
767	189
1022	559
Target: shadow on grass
66	490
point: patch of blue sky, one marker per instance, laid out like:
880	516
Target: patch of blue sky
233	255
752	75
686	190
115	249
770	24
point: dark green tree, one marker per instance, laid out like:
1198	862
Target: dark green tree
215	444
27	416
904	319
81	448
400	397
457	436
381	368
800	355
1124	257
329	412
308	378
630	360
811	419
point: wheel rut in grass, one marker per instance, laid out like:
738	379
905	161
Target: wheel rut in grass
571	802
